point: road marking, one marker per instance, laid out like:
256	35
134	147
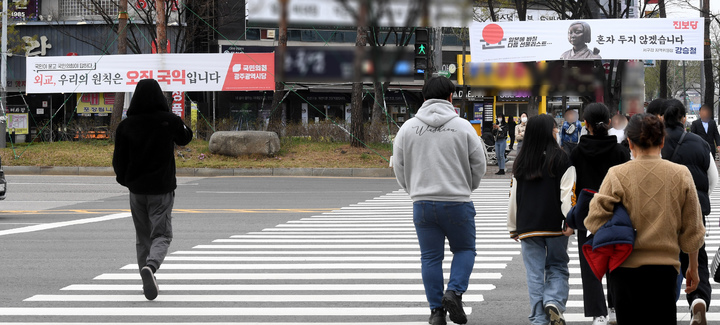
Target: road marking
243	298
247	311
287	276
175	211
367	240
385	246
310	266
266	287
317	258
53	225
417	253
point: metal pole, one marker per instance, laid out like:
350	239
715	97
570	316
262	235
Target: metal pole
3	74
684	87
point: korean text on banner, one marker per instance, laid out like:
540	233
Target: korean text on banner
174	72
592	39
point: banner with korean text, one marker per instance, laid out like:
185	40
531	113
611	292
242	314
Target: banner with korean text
591	39
174	72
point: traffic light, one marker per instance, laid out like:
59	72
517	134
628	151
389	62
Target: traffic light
421	51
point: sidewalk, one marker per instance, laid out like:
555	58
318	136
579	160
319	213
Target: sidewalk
218	172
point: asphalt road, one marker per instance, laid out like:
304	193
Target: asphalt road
250	250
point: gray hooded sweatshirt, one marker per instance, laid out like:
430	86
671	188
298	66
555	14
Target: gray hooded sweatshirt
438	155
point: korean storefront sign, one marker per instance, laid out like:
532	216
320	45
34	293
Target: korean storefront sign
592	39
174	72
95	103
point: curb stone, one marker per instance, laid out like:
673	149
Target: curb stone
208	172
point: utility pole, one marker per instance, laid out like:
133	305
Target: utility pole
118	106
3	74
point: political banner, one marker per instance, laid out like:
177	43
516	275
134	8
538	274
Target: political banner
174	72
591	39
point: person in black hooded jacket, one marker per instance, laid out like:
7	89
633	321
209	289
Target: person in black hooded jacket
594	155
695	154
144	162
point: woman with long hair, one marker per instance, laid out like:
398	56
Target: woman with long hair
663	207
595	154
540	198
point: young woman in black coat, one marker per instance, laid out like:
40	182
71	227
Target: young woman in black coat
594	155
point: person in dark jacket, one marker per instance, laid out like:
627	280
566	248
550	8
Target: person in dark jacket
706	128
144	162
570	131
500	132
694	153
540	197
511	131
595	154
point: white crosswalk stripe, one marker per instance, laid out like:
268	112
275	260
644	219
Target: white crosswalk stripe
360	260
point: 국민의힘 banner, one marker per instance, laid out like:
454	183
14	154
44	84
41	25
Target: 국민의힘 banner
174	72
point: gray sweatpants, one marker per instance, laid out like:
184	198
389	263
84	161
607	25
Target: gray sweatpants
153	226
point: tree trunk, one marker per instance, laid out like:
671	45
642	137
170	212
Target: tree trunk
663	63
275	124
356	108
707	63
161	26
117	111
378	104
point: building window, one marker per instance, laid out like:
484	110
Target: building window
87	8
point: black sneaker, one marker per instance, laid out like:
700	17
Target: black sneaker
452	302
437	317
554	314
150	287
501	172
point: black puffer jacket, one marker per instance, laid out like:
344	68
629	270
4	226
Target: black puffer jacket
694	153
144	157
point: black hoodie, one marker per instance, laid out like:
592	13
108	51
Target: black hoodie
144	157
593	157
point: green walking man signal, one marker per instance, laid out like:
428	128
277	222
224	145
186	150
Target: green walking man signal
421	49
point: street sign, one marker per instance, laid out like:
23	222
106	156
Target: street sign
445	74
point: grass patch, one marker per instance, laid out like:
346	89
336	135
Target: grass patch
294	153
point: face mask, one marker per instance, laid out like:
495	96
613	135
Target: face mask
499	119
523	119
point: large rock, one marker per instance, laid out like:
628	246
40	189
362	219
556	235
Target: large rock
238	143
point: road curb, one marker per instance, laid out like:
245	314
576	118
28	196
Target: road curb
209	172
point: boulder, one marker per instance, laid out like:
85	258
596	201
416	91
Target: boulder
238	143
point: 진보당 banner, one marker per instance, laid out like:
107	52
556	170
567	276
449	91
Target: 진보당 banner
590	39
174	72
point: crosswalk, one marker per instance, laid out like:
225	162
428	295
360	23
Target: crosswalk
356	265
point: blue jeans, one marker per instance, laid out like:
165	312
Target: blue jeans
500	146
546	265
434	221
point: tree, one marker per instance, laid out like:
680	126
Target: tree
356	107
275	124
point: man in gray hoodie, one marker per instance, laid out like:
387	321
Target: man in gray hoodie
439	160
